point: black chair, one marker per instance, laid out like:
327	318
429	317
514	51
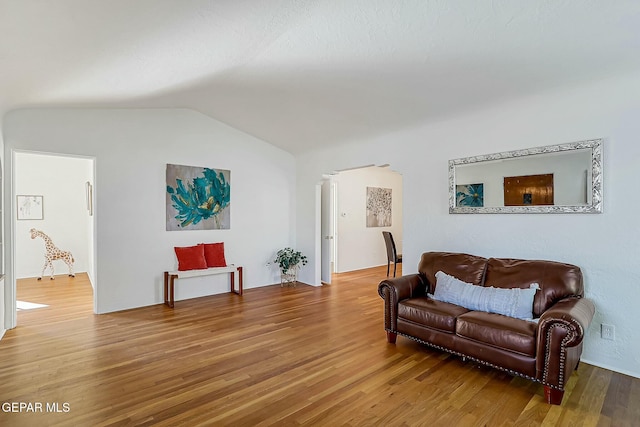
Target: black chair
392	255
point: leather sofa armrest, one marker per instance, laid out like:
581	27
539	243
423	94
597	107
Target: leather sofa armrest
398	289
575	313
561	330
404	287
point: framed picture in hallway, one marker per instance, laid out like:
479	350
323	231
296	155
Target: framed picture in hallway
30	207
378	207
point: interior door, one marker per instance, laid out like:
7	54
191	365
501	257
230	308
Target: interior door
326	227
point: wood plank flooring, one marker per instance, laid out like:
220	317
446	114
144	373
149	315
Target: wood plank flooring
275	356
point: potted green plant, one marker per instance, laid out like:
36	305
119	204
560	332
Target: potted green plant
289	261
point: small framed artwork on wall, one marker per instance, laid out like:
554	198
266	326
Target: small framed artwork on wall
378	207
30	207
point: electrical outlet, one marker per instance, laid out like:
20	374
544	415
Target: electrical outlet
608	332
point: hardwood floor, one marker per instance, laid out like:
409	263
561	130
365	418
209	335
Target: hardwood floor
275	356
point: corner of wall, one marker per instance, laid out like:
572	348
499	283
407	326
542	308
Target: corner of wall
2	234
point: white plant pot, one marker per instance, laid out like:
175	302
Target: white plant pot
289	277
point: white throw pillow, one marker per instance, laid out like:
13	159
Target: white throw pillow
513	302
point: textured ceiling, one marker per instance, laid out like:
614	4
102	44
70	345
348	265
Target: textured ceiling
301	74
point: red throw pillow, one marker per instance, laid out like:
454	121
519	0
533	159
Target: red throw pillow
214	254
191	258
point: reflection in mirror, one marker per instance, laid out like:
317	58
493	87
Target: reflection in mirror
564	178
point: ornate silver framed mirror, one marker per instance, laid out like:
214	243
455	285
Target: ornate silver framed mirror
565	178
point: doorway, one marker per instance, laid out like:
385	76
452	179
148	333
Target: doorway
349	240
328	251
53	196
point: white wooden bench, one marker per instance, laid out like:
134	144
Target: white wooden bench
171	276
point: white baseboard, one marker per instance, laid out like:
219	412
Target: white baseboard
611	368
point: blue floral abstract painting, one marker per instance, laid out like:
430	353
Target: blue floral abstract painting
198	198
470	195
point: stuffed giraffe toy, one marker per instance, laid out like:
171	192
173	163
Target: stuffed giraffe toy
53	253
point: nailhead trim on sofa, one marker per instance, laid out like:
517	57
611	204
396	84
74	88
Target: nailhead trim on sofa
482	362
563	351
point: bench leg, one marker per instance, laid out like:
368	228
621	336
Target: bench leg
232	275
171	287
233	282
166	287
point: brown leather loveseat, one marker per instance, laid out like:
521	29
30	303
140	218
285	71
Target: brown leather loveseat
545	348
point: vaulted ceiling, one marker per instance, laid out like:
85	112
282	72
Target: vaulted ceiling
306	73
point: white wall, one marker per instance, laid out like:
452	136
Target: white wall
132	148
604	245
360	246
3	191
62	183
90	225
